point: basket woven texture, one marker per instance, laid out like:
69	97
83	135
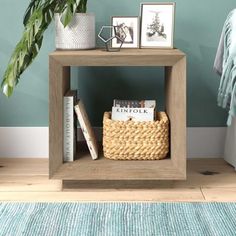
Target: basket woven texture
132	140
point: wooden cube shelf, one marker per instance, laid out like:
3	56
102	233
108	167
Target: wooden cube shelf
85	169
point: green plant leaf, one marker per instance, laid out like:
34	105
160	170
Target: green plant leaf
29	45
29	11
82	6
66	17
37	18
34	5
69	11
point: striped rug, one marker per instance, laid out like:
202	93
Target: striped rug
108	219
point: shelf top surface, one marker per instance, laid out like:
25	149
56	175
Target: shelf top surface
125	57
122	52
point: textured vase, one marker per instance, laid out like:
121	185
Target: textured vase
79	34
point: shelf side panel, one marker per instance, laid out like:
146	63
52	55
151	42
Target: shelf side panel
175	86
59	83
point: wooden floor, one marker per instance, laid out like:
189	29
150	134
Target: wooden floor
27	180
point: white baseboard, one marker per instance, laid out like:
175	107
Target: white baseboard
206	142
24	142
32	142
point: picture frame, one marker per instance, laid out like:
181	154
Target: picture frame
157	25
131	28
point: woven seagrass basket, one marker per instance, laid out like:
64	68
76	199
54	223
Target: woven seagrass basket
132	140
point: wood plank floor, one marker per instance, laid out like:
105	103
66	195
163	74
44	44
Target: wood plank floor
27	180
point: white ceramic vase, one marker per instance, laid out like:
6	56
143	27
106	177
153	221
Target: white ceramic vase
79	34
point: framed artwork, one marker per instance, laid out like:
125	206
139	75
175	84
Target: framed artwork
126	27
157	25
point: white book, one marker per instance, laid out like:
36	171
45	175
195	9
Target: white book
87	129
69	127
135	114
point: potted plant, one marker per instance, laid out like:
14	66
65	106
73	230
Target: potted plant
37	18
78	34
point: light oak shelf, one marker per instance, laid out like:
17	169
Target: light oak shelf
173	168
84	168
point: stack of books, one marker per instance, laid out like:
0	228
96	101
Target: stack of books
135	110
74	110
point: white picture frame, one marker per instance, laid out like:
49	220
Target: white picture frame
157	25
130	25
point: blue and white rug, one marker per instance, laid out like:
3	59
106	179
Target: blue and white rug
117	219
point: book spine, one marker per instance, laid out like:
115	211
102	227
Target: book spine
93	153
134	103
84	129
69	129
134	114
127	103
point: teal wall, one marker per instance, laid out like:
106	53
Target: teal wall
198	27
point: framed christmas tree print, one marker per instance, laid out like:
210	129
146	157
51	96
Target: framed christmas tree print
157	25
